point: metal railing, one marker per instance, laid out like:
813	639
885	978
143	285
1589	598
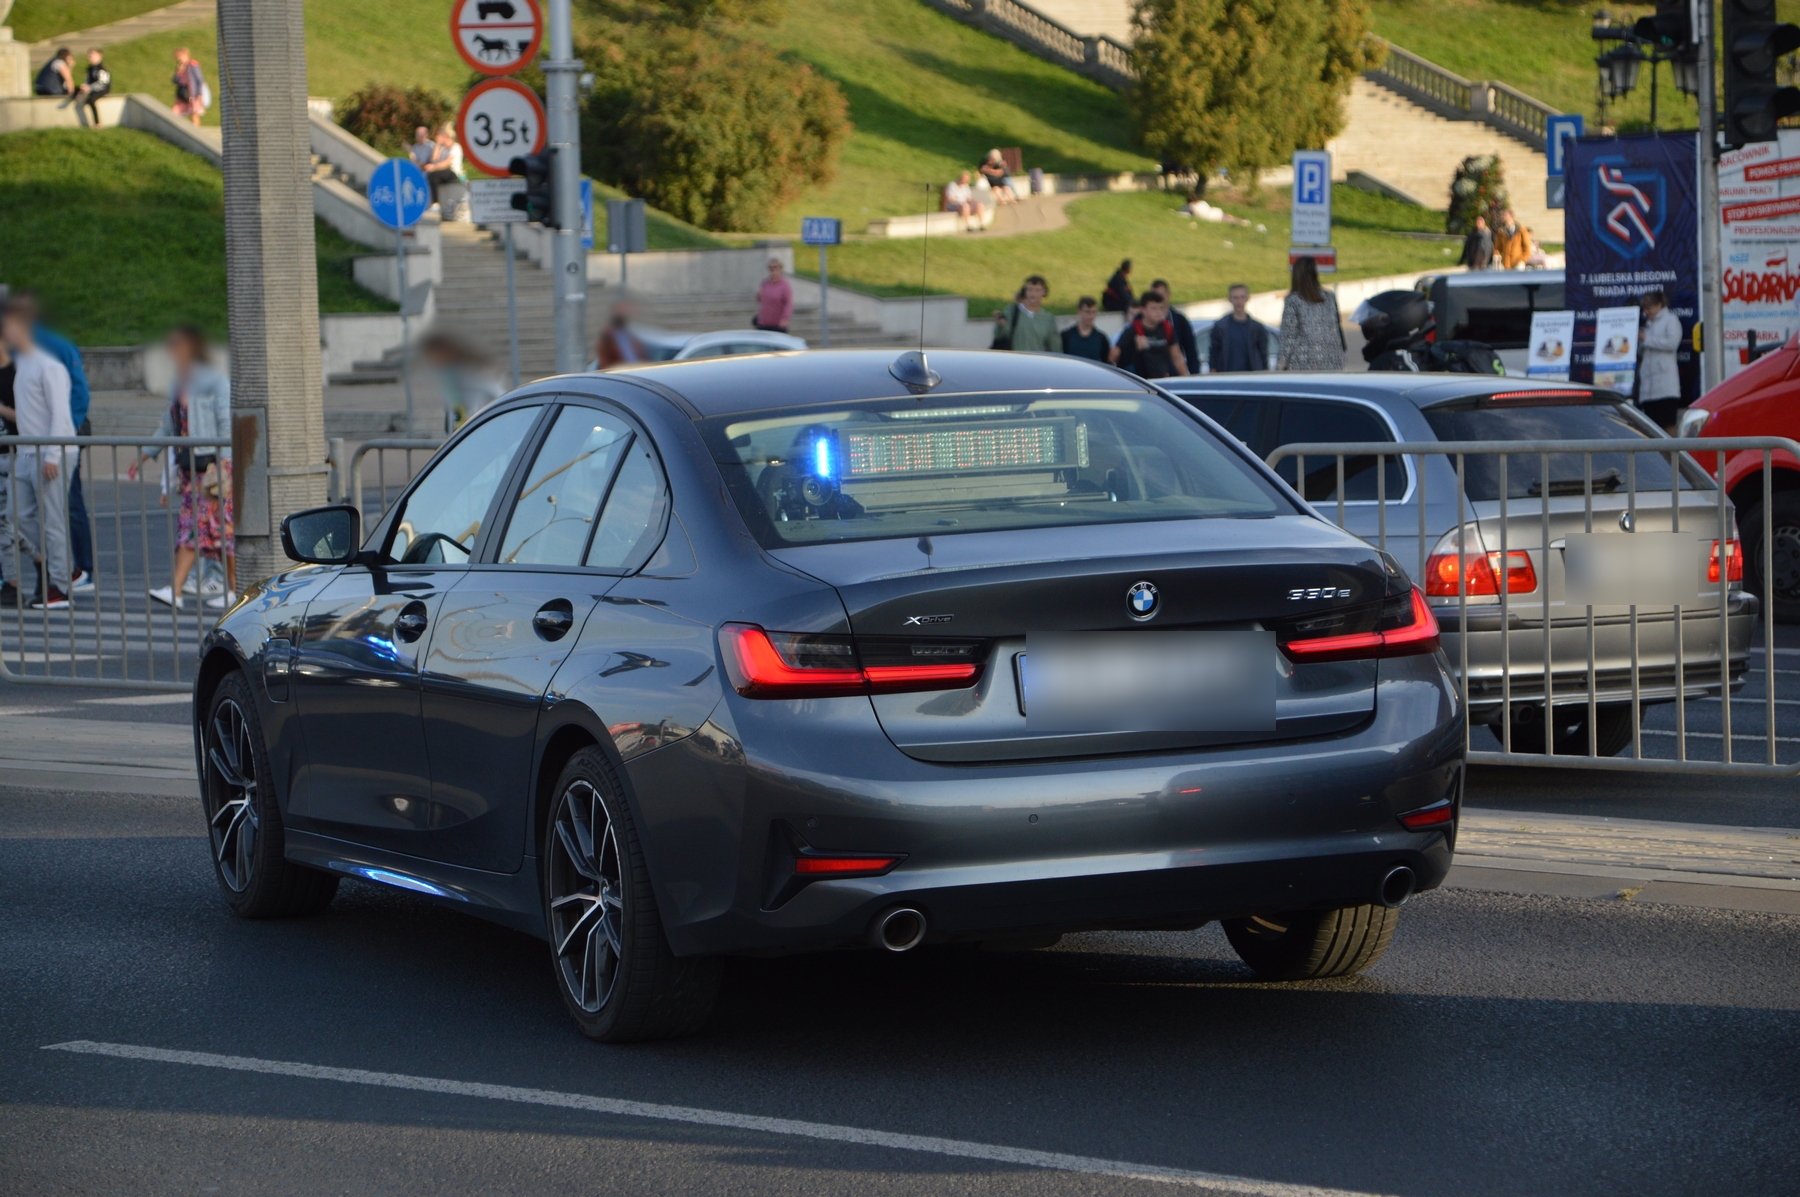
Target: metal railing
1446	508
1448	94
1512	111
111	633
352	477
1097	56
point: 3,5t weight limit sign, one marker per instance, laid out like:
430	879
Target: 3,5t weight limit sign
499	120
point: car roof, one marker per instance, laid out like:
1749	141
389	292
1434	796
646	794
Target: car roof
725	386
1379	386
1501	278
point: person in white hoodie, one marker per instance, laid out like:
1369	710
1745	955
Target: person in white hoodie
1659	378
41	401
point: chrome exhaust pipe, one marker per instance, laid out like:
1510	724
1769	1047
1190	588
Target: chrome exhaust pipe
1396	887
898	930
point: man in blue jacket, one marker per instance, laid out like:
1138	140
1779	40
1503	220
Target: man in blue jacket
81	532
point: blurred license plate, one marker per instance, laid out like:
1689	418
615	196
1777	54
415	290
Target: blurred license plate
1148	681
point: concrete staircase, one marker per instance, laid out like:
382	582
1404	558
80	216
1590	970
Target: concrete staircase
471	306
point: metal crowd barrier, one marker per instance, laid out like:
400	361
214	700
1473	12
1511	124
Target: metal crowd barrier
114	635
1443	507
351	480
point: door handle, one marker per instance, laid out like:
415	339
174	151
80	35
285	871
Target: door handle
411	622
554	619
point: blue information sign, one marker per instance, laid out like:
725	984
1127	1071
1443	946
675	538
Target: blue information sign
821	230
1558	132
587	214
398	193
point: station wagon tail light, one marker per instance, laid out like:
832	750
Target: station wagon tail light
1734	562
1407	627
1443	567
765	664
1426	817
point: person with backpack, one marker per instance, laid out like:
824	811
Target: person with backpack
1150	346
192	96
1118	297
1024	325
1312	335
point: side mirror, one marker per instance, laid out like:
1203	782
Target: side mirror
322	535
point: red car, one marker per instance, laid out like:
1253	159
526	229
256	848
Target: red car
1763	400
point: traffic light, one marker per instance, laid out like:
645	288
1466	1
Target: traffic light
1754	41
535	201
1669	29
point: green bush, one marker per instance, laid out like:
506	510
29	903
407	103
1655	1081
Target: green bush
1479	189
719	132
385	115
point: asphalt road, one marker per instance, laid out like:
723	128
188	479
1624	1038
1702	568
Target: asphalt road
1506	1045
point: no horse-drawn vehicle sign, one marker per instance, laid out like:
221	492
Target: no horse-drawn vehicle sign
497	37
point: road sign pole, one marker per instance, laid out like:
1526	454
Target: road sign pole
512	308
561	76
1712	308
405	337
824	302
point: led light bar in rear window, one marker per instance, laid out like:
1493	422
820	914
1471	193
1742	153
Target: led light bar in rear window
1541	396
962	448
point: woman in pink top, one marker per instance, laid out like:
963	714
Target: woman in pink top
774	300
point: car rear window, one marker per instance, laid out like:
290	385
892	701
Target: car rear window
902	467
1498	314
1554	422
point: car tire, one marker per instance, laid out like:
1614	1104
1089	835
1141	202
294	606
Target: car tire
1612	729
1785	508
619	978
243	818
1305	945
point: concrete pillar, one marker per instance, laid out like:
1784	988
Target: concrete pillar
15	60
272	285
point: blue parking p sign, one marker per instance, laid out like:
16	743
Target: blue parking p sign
1559	131
821	230
1312	197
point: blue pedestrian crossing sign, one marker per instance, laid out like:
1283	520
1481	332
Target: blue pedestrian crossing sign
1559	131
821	230
398	193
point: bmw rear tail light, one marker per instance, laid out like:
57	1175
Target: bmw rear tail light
1407	627
1734	562
1426	817
763	664
1443	569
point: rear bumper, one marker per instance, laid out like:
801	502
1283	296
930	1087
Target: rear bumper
1167	839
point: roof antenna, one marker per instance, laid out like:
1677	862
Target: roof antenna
911	368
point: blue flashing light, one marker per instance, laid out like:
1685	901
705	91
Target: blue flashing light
418	885
822	457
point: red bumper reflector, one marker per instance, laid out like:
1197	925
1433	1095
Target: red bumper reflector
1419	636
843	866
1435	815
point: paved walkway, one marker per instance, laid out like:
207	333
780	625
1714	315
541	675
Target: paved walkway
1033	214
158	20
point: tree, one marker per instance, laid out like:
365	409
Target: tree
1242	84
1479	189
385	115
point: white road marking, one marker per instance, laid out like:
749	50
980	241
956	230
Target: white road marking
1239	1186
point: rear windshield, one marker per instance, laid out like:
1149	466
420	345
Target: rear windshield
1498	314
1524	471
902	467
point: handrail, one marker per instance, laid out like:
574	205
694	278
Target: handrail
409	444
1098	56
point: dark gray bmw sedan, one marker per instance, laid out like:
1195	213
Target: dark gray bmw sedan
818	650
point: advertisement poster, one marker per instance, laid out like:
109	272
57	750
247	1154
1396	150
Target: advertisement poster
1632	226
1552	341
1759	244
1615	348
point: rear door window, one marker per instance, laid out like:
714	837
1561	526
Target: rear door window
553	519
1240	417
632	522
1524	471
1310	420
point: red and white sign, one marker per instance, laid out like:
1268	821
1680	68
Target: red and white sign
497	37
498	121
1324	256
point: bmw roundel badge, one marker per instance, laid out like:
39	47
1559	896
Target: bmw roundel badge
1141	601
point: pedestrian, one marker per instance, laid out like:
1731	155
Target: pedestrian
423	147
41	408
1513	243
619	346
86	97
192	96
199	407
56	77
1239	342
1149	347
960	198
1184	328
774	300
1118	297
1082	339
464	376
1312	335
1478	246
446	163
1024	325
1659	378
993	169
9	567
81	528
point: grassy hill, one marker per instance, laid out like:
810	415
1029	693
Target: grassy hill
125	235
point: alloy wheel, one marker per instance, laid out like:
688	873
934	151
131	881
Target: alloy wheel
231	795
1786	561
587	907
